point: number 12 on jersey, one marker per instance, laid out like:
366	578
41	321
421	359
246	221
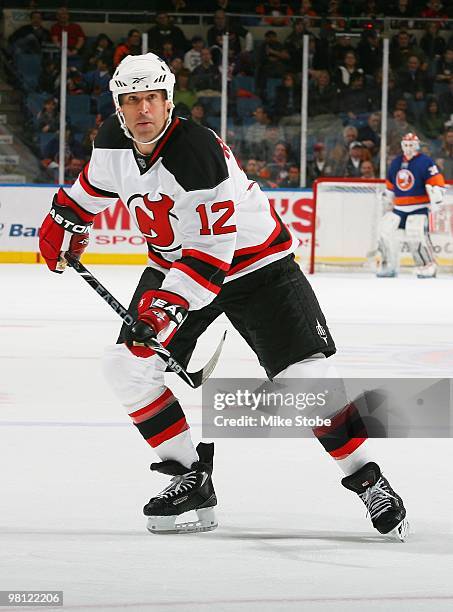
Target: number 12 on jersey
220	224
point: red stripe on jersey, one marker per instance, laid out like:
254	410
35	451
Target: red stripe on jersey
196	277
155	406
166	136
437	179
63	199
161	262
408	200
218	263
347	449
169	433
90	189
266	243
248	262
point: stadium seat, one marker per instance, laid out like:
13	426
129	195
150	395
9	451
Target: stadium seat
29	70
246	107
80	104
44	139
82	122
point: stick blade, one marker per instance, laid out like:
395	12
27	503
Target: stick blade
198	378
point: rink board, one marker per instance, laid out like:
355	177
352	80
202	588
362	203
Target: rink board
345	227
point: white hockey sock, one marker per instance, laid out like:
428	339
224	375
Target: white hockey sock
179	448
353	462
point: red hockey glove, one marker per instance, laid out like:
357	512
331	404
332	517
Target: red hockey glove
160	313
63	230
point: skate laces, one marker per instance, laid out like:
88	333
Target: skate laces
179	484
377	498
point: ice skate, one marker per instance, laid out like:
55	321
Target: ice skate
384	506
189	489
429	271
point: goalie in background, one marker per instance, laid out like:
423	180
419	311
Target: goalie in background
414	187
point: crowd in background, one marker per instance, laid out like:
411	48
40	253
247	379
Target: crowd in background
264	88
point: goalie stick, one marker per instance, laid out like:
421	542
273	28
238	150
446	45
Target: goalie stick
194	379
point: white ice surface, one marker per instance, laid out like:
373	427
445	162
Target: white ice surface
74	472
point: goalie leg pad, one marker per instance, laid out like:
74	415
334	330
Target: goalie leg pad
420	245
389	242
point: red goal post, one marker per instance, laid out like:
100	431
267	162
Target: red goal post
346	215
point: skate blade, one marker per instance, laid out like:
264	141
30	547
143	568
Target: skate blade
207	521
401	531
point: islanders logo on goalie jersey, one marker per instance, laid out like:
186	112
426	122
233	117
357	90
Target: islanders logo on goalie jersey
407	179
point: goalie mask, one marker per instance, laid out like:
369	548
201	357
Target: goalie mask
141	73
410	145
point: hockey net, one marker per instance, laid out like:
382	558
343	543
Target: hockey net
344	231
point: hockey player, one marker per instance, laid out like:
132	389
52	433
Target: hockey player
414	186
215	246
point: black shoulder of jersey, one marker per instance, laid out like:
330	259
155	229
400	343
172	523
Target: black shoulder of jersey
195	157
111	136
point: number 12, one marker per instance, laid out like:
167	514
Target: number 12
218	226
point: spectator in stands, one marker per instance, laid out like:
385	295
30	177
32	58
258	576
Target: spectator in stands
335	13
398	126
220	26
446	101
340	153
401	48
346	69
278	10
444	68
48	117
206	77
132	46
87	142
273	60
75	85
292	181
355	99
444	158
393	90
76	36
352	166
97	81
403	104
176	65
168	53
370	52
321	95
432	45
164	30
198	115
415	83
294	45
192	58
370	134
338	50
287	102
279	163
73	168
30	38
432	120
434	9
184	97
273	135
320	165
367	170
101	48
254	133
404	10
49	78
252	170
371	10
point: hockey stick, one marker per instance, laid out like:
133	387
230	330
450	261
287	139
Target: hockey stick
194	379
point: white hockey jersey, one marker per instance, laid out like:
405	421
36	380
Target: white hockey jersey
204	221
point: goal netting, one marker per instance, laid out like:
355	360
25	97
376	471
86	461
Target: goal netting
346	222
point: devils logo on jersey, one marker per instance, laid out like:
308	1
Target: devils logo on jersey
153	220
405	179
